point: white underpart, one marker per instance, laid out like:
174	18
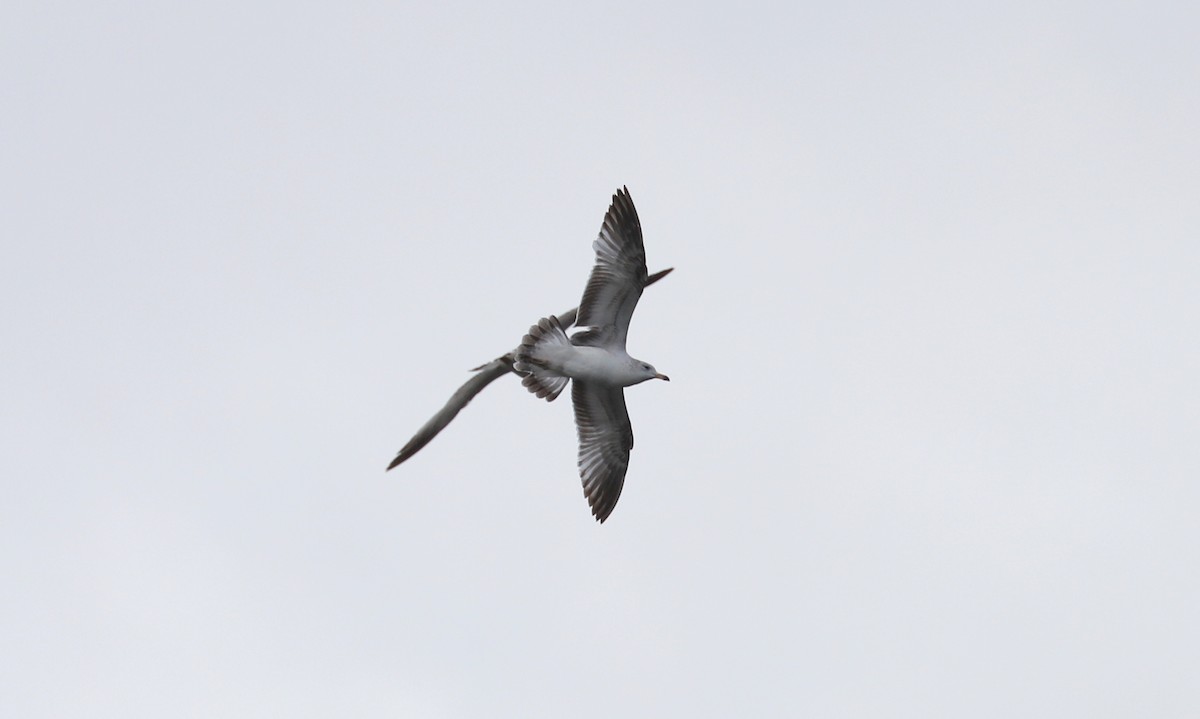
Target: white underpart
594	364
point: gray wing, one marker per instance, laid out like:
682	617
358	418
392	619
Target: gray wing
484	376
617	278
605	438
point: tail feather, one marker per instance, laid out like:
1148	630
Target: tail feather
539	378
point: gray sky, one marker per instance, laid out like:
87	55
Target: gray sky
930	448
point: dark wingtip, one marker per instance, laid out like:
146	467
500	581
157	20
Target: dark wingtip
602	509
658	276
624	199
405	452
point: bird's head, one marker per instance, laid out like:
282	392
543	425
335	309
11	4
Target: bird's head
646	371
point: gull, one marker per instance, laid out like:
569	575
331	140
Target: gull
594	360
605	435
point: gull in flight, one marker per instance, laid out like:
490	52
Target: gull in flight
595	358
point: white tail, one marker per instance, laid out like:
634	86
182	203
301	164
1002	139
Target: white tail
539	378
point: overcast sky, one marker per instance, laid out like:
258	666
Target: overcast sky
932	442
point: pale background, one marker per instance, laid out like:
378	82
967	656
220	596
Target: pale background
931	444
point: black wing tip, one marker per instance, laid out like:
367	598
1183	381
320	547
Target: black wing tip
603	503
658	276
623	200
406	452
602	513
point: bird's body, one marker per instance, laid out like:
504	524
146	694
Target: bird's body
596	364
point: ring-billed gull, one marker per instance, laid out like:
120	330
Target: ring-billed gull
595	359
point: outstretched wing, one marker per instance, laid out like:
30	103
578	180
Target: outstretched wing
605	438
617	279
483	376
